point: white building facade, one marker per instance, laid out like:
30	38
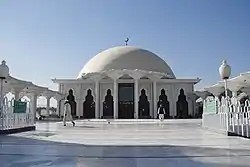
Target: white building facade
128	82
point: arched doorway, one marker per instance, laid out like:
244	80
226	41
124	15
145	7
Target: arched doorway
108	105
72	102
143	105
182	105
89	106
163	99
126	100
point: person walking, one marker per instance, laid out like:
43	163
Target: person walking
161	112
67	115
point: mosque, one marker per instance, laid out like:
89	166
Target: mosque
127	82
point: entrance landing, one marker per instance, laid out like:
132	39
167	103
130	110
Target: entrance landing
181	143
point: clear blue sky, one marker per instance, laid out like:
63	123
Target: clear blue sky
44	39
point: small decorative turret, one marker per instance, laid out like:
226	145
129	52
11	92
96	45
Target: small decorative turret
4	70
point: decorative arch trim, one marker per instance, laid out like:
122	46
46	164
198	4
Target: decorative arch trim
146	91
92	92
105	93
177	92
68	89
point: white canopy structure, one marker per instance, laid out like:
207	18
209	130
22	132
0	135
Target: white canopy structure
21	88
241	82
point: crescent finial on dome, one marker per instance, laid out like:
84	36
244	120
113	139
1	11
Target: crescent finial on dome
126	41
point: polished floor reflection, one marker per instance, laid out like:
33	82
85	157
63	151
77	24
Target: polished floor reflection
174	143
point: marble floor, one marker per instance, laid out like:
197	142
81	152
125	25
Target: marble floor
172	143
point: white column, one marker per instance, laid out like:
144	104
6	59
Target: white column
115	99
58	107
136	112
97	101
34	104
151	111
62	107
172	104
59	104
81	111
101	104
194	98
190	107
172	101
79	107
48	105
154	100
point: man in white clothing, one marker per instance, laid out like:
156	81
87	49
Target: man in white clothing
67	113
161	112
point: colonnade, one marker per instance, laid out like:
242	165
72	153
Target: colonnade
115	98
154	100
33	96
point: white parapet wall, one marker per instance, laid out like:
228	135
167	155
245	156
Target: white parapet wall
230	117
11	121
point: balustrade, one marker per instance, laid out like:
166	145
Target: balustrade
11	120
234	116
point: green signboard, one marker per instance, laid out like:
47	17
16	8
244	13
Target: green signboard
20	106
210	107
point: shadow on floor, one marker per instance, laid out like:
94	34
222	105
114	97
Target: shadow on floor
27	152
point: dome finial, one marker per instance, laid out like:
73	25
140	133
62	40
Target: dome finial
126	41
224	61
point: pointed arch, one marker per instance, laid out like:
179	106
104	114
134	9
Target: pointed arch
163	99
108	105
143	104
89	105
182	105
72	102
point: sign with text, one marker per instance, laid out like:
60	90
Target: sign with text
20	106
210	107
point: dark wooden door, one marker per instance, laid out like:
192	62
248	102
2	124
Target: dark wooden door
126	100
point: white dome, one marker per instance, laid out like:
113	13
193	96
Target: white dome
126	57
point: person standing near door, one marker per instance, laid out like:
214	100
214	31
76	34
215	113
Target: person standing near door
67	115
161	112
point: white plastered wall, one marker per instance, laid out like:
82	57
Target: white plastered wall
172	91
80	91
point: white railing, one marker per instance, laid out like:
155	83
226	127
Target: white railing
234	117
10	120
